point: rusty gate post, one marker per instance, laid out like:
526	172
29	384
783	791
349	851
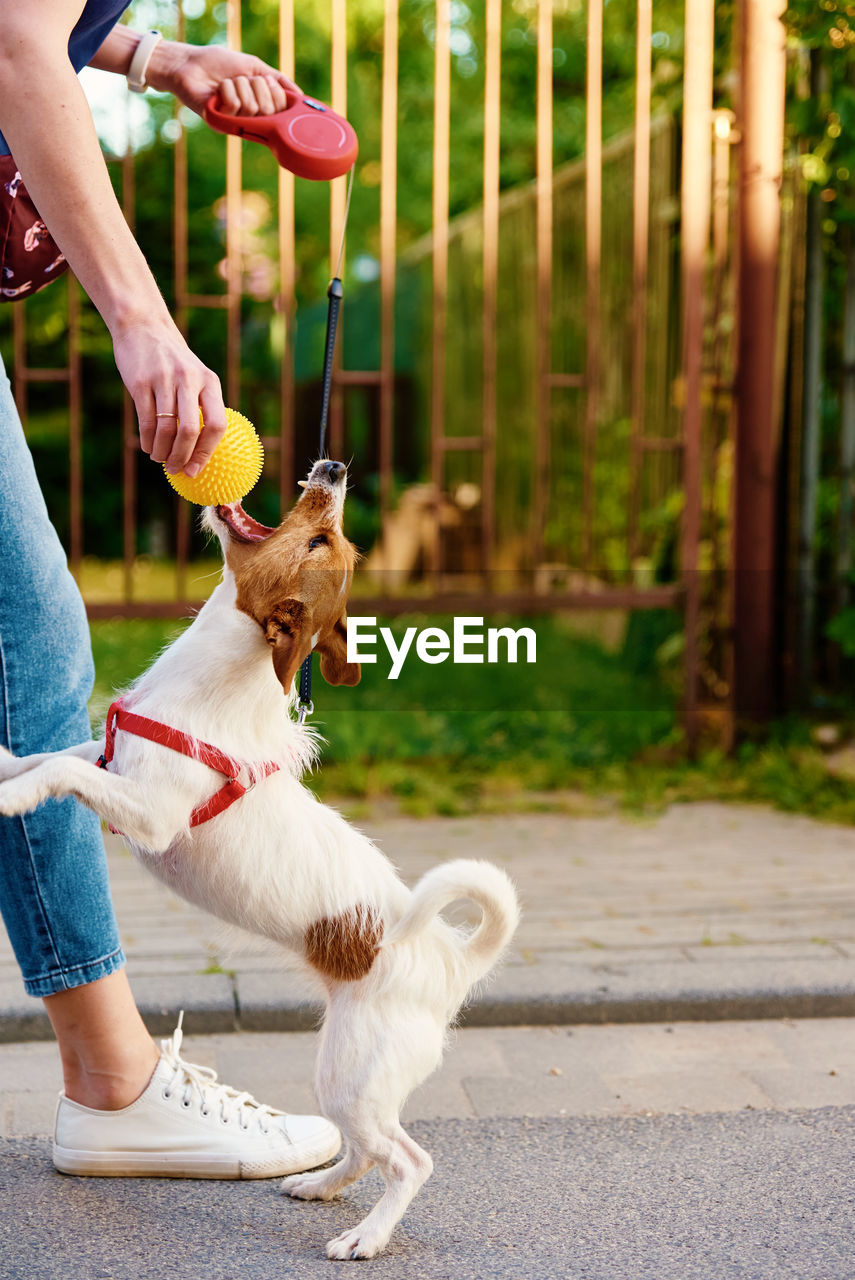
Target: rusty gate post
696	200
757	432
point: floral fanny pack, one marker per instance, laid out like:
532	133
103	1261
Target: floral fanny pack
29	256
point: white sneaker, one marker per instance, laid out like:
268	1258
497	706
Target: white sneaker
185	1125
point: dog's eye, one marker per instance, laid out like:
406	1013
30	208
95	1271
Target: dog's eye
320	540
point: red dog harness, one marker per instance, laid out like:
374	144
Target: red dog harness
118	717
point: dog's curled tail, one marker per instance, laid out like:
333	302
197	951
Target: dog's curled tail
480	882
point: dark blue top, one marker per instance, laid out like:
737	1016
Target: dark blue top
93	26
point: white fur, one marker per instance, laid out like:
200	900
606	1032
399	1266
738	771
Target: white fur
274	863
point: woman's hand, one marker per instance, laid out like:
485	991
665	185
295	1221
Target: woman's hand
246	86
50	129
169	386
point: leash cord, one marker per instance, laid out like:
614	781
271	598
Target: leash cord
335	292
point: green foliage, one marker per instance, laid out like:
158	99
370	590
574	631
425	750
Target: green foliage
841	630
826	121
649	640
123	649
785	775
821	124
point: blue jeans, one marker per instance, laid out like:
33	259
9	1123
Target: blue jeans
54	893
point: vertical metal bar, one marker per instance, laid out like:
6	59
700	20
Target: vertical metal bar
180	234
725	280
640	250
811	415
593	254
543	302
130	437
492	118
763	79
847	429
810	451
75	440
441	152
233	234
287	282
695	228
720	281
179	208
338	198
721	195
388	238
729	607
790	519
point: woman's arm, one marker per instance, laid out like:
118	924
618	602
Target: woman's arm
48	126
245	84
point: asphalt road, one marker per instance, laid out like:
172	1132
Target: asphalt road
747	1195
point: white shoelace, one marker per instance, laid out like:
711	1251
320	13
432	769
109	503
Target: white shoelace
202	1082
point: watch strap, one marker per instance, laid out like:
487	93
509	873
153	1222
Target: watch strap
139	62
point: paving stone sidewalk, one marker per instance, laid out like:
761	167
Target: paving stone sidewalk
706	912
682	1068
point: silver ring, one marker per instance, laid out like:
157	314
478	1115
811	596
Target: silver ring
166	415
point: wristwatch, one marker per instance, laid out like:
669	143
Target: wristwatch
139	62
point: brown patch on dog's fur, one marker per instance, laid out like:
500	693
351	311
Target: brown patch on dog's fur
344	947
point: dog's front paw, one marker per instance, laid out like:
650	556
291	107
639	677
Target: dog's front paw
8	764
17	795
361	1242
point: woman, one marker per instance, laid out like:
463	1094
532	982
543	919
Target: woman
126	1108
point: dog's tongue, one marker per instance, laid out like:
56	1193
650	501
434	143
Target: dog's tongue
242	525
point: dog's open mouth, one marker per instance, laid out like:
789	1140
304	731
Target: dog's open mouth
241	525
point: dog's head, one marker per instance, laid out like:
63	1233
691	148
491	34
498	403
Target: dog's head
294	581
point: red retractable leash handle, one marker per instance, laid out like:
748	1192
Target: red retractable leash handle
308	138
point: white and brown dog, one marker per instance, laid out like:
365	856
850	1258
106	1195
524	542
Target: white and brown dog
262	853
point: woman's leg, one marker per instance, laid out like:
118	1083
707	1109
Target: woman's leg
54	892
107	1055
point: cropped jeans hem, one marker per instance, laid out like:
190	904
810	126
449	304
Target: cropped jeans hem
50	984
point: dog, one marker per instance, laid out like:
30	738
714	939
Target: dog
261	852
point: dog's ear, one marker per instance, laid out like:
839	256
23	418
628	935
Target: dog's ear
288	632
335	667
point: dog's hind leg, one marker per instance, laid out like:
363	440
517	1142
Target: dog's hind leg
327	1183
371	1058
404	1167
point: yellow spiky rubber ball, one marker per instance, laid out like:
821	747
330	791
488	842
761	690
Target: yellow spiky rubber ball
233	468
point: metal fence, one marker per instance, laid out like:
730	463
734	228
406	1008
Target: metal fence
564	363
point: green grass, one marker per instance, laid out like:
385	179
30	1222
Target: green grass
123	648
152	579
586	728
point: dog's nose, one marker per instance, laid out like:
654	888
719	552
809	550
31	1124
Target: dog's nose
335	470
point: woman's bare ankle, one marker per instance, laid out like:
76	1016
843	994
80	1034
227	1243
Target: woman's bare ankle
107	1055
114	1088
